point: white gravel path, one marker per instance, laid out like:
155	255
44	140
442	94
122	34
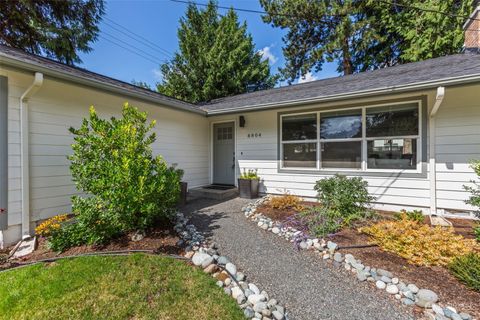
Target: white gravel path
308	287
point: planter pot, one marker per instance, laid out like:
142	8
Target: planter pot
248	188
183	193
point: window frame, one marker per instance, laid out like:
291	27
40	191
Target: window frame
420	137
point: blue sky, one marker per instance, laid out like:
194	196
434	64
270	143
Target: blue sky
157	21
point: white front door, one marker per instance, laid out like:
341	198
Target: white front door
224	153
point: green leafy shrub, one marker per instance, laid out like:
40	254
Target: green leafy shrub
250	174
415	215
348	196
476	230
126	187
474	199
467	269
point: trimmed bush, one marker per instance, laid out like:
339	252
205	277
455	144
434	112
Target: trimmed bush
419	243
348	196
126	187
467	269
322	221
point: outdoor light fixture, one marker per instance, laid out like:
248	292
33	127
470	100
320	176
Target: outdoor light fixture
242	121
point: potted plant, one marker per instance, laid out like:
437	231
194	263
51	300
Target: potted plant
248	184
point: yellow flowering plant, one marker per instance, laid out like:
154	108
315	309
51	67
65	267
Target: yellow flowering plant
47	227
419	243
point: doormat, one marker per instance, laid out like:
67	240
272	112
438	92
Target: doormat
219	187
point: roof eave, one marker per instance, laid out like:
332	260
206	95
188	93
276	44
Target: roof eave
352	95
35	67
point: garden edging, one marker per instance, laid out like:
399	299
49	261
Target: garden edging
256	304
408	294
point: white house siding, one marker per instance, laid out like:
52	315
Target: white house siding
182	138
457	142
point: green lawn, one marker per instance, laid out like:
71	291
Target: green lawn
125	287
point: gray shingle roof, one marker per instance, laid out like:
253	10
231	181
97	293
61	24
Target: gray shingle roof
42	64
457	65
433	70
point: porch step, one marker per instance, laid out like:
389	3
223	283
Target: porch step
209	193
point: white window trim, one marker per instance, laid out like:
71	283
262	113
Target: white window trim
364	139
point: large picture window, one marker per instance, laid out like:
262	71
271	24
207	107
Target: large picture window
364	138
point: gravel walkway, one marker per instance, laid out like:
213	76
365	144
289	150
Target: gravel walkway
308	287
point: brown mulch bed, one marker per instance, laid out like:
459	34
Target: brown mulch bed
438	279
159	239
281	215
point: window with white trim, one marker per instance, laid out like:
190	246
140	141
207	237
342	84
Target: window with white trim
373	138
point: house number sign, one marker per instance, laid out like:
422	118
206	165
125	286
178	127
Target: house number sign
254	135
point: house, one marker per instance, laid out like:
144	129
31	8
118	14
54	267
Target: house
409	130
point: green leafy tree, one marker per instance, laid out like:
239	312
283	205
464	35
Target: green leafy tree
126	187
56	29
361	35
216	58
474	190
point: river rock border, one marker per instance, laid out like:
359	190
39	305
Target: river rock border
256	304
407	293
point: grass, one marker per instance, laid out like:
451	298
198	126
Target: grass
122	287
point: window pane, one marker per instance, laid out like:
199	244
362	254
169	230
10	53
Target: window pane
341	124
400	120
342	155
392	154
300	155
302	127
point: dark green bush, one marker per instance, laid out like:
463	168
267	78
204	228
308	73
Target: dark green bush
126	188
467	269
347	196
476	230
474	199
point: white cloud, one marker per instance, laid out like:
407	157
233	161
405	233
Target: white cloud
267	54
307	78
157	74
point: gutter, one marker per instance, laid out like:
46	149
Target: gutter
84	80
432	163
25	158
357	94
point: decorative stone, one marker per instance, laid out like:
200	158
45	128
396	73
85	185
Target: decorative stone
248	313
407	302
456	316
248	292
332	246
395	280
398	296
392	289
255	298
236	291
223	260
326	256
380	284
266	313
219	283
202	259
385	279
227	291
303	245
272	302
277	315
275	230
385	273
412	288
240	276
259	307
338	257
210	269
254	288
409	294
361	276
230	267
437	309
465	316
189	254
241	299
228	281
425	298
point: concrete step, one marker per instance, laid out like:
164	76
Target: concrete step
203	192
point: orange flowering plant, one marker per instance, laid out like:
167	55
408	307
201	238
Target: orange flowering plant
47	227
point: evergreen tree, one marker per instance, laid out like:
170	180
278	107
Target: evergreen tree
216	58
56	29
362	35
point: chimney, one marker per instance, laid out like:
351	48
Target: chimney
472	30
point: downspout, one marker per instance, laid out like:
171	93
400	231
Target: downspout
432	168
25	158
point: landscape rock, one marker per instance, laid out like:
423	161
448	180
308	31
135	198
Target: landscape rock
254	288
380	284
255	298
248	313
392	289
338	257
407	302
259	307
385	273
425	298
277	315
223	260
199	259
413	288
231	268
236	291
